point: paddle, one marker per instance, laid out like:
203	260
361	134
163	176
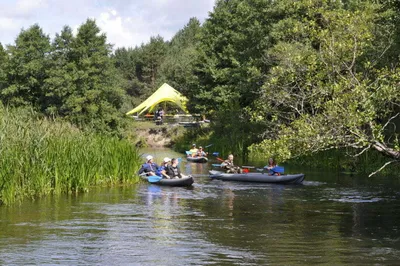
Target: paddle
244	166
154	178
276	169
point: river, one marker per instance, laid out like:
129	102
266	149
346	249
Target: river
331	219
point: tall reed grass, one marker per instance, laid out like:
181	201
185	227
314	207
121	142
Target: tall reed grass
39	157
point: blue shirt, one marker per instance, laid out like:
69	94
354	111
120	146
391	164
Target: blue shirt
148	167
160	169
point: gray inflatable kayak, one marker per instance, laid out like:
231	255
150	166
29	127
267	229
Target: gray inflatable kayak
197	159
258	177
175	182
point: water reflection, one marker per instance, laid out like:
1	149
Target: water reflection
331	220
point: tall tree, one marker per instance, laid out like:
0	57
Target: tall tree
153	55
96	95
177	68
332	86
27	68
3	62
60	84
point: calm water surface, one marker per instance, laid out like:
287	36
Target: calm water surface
331	219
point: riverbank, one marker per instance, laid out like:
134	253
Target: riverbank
41	157
148	134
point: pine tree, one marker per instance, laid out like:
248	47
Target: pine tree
26	68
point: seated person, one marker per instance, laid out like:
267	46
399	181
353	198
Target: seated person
201	153
149	168
271	164
162	170
230	167
173	170
193	151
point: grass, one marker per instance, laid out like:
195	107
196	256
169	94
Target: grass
39	157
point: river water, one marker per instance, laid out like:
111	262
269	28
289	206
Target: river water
331	219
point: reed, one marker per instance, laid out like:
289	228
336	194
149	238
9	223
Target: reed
40	157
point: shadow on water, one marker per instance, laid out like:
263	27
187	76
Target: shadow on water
331	219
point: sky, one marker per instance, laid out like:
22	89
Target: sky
127	23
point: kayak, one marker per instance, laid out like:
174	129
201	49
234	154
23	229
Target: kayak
197	159
258	177
175	182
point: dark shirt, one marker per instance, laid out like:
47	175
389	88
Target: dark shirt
148	167
174	171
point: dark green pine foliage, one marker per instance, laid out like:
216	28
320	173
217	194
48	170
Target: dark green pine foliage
3	62
231	65
95	95
177	68
62	73
26	69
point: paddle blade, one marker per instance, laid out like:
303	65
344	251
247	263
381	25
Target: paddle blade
215	153
278	169
154	179
216	165
188	153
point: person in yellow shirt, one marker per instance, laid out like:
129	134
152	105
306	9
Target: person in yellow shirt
193	150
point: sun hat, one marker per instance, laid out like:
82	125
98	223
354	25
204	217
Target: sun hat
149	157
200	147
193	144
166	160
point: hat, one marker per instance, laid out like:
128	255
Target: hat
193	144
166	160
149	157
200	147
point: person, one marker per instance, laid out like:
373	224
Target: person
201	153
162	170
161	114
271	164
193	151
173	170
149	168
230	167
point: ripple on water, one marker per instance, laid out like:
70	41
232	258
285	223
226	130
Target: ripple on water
354	196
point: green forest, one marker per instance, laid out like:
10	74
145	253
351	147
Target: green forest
313	82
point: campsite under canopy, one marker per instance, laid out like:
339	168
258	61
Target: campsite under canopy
164	94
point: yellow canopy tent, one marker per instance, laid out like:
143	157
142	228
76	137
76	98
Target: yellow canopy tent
164	94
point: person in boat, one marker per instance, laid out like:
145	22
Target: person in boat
230	167
173	170
149	168
193	151
271	164
162	170
201	152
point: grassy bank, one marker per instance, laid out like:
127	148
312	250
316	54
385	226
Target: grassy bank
39	157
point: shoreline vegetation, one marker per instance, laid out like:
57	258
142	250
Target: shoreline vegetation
314	83
39	157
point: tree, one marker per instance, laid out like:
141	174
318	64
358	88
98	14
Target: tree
60	84
3	62
26	68
96	95
178	65
332	87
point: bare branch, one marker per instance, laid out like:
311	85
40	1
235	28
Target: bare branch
380	169
364	150
390	119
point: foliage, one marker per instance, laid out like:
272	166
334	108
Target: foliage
41	157
330	92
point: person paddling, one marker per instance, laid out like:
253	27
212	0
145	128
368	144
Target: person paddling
149	168
230	167
193	151
162	170
201	152
271	165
